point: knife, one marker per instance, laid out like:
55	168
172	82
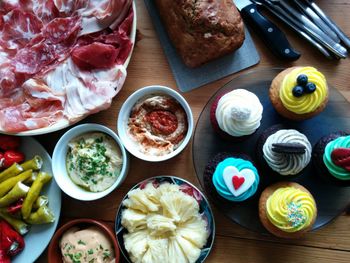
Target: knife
273	37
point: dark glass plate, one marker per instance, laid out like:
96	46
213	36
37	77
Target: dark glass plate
331	199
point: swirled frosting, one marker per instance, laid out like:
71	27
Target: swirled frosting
290	209
239	112
287	164
308	102
337	171
222	188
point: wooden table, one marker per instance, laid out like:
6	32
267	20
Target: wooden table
232	243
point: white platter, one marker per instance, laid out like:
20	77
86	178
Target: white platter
64	123
39	236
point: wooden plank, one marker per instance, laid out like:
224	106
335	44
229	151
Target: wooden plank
242	250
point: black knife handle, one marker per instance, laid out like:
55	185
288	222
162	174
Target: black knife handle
273	37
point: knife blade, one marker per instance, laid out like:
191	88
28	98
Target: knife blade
273	37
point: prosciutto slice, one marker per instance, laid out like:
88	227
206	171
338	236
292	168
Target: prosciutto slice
59	61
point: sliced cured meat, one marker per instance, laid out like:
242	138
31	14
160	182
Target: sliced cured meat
18	29
39	39
95	56
45	10
62	29
39	108
86	91
54	43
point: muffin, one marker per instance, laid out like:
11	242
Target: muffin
285	151
236	114
287	209
331	158
233	177
299	93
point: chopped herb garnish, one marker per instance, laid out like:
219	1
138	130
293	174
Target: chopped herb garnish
90	251
80	242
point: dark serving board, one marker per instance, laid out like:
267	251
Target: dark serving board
331	200
190	78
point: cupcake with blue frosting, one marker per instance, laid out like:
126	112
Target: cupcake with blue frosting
331	157
232	177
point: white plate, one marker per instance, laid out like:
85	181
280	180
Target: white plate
65	123
39	236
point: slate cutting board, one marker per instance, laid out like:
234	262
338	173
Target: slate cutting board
187	78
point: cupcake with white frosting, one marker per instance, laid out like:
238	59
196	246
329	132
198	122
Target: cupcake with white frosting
285	151
236	114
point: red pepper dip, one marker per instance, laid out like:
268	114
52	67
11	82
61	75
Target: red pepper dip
157	124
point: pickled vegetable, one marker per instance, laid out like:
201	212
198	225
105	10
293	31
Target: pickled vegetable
43	215
20	226
18	191
7	185
34	193
13	170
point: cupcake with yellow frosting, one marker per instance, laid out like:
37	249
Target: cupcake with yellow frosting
287	210
236	114
331	158
299	93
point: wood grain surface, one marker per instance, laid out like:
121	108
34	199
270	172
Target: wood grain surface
233	243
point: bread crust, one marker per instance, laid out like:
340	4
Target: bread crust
263	216
202	30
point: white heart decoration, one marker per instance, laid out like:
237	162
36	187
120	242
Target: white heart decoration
249	179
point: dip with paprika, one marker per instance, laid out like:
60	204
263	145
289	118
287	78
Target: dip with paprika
157	124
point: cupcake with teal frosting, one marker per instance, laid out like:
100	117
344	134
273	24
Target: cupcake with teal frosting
232	177
287	209
331	157
299	93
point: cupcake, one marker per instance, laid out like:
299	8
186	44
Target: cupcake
299	93
331	157
236	114
285	151
287	209
234	177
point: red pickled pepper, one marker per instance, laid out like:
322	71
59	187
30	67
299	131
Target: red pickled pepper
15	207
11	242
8	142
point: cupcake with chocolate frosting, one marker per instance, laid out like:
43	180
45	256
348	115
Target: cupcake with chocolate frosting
331	158
299	93
236	114
287	209
285	151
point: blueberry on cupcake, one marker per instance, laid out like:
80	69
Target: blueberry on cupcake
285	151
331	157
233	177
236	114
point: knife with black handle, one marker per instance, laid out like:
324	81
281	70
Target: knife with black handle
273	37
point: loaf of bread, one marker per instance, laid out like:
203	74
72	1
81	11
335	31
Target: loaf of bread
202	30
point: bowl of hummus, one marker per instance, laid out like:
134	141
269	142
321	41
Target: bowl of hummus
89	162
83	240
155	123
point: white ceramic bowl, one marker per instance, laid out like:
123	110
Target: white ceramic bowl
124	115
59	163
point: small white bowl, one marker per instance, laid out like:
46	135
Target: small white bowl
59	163
124	114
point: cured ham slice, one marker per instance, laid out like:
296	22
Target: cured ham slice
87	91
95	55
40	108
52	68
18	29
